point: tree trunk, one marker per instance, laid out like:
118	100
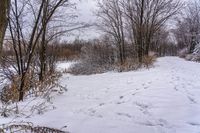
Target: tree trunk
147	46
140	37
4	9
120	54
43	43
21	88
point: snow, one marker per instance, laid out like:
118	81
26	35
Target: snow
64	65
163	99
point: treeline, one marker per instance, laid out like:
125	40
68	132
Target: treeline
187	32
140	23
74	50
101	55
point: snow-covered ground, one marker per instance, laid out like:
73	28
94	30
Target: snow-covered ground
163	99
64	65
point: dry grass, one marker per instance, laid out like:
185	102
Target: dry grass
27	128
149	60
33	87
11	92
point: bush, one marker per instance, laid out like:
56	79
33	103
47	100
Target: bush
10	93
98	54
95	58
100	57
42	92
183	53
194	56
188	57
85	68
149	60
33	87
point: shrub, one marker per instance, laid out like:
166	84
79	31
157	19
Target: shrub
149	60
95	58
188	57
194	56
33	87
85	68
100	56
183	53
10	93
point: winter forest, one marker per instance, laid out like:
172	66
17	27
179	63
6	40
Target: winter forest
99	66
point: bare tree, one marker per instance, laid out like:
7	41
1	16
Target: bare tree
188	27
58	25
112	23
146	17
136	21
25	45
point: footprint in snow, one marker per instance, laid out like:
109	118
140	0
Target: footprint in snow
134	93
148	123
93	113
160	122
192	100
193	123
121	97
177	78
101	104
144	108
150	82
124	114
175	88
146	87
121	102
141	105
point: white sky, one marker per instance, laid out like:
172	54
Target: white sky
85	10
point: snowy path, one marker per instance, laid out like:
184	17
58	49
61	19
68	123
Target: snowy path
164	99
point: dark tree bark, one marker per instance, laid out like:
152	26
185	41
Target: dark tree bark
43	42
4	10
140	31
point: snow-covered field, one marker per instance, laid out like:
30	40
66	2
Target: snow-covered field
163	99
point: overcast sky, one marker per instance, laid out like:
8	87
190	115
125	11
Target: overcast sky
85	9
